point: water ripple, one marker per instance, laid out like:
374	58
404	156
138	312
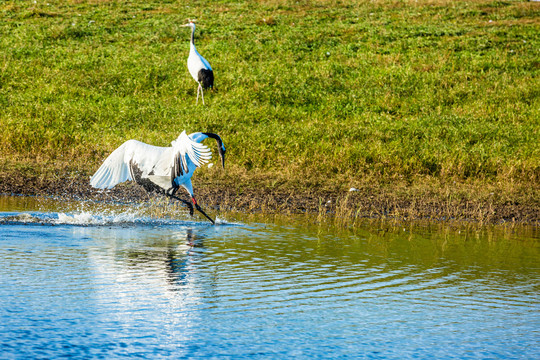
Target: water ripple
117	284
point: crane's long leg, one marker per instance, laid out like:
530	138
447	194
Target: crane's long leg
190	206
202	93
187	203
202	212
199	88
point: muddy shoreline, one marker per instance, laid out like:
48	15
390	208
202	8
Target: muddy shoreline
344	205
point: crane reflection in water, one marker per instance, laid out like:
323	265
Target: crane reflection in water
180	266
139	271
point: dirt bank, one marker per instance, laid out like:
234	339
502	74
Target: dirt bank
344	204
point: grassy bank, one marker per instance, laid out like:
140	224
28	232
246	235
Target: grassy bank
311	94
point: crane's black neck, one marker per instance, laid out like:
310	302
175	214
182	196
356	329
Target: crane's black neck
221	148
193	35
215	136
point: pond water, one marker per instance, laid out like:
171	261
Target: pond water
85	280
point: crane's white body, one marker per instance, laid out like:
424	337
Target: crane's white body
196	63
166	167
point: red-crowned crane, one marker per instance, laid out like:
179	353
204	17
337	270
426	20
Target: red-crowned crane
199	67
159	169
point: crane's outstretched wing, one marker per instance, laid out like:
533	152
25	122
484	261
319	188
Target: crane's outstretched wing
116	167
113	170
151	161
186	151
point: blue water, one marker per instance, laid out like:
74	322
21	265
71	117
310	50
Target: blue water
94	284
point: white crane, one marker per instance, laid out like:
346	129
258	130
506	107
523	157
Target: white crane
198	67
159	169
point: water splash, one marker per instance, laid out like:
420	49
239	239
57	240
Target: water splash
156	212
85	218
82	219
222	221
23	218
129	217
89	218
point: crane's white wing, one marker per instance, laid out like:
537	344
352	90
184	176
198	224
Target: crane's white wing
116	167
113	170
186	151
152	161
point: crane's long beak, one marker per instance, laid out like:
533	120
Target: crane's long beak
222	156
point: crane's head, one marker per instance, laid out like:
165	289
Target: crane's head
191	23
221	146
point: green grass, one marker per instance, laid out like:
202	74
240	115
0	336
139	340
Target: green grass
316	92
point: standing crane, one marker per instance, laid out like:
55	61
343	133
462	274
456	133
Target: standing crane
159	169
198	67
